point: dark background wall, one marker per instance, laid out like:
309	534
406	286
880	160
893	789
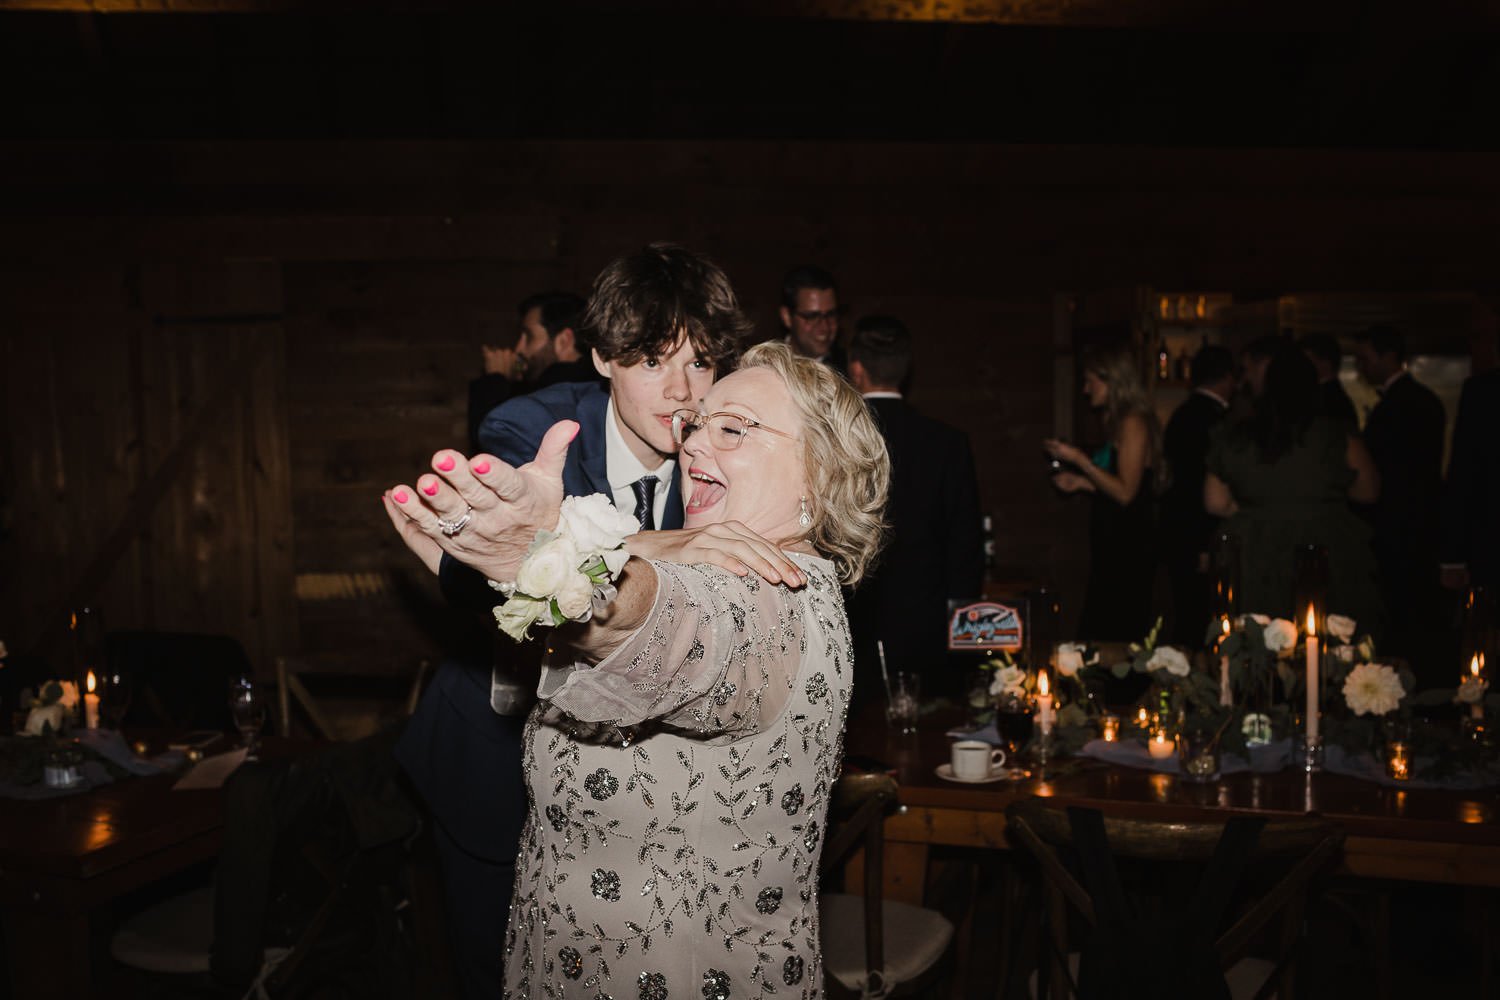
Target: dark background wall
246	263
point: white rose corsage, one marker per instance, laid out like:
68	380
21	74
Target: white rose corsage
568	572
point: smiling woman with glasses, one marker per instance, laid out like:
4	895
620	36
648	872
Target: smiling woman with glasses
694	683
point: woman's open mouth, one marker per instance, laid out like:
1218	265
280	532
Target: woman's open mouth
707	491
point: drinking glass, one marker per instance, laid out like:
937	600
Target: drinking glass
114	698
906	697
1014	722
248	708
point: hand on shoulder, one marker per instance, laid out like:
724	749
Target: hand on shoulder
729	545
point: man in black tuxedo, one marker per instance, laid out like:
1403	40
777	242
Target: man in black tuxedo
935	551
1187	529
548	350
810	314
1326	357
1471	508
1404	433
462	747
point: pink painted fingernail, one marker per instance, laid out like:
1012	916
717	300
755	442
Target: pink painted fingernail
481	467
401	496
445	464
430	489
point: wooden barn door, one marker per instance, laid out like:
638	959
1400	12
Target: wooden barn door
145	467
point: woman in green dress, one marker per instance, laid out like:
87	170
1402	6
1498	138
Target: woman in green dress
1284	478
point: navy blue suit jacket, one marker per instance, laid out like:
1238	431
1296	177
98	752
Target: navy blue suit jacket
462	757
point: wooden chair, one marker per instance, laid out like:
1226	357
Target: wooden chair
292	691
1184	947
873	946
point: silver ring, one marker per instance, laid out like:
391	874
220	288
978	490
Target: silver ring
451	528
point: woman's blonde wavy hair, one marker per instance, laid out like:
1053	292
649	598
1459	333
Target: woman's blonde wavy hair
847	467
1118	367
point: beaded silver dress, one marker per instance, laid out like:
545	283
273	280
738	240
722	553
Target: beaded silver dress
679	791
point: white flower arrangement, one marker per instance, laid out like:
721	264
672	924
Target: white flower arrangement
1471	690
1009	681
1169	659
1373	689
51	708
1073	657
1341	627
569	572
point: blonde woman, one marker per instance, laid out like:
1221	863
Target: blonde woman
1120	479
680	760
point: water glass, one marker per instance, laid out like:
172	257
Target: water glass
114	697
249	709
1198	755
1014	721
906	698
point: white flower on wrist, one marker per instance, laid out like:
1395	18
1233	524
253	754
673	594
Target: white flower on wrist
568	573
595	527
1171	660
575	599
548	567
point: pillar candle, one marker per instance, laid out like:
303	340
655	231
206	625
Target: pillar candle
1312	677
1043	704
91	704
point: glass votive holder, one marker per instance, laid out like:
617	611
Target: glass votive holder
1398	760
1109	728
1198	756
1161	745
62	768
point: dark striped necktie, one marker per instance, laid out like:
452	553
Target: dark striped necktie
645	493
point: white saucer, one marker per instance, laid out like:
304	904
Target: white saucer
945	771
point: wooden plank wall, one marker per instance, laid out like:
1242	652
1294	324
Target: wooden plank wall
363	277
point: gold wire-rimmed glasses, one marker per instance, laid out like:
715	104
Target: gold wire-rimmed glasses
726	430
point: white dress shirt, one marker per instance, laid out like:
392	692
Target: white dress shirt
622	469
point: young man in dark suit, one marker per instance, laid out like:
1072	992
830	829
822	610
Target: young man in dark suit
935	551
1404	433
1187	529
661	325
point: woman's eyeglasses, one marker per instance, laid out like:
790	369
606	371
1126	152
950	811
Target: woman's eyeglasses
725	430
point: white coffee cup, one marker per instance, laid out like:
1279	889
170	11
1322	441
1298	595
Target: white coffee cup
974	760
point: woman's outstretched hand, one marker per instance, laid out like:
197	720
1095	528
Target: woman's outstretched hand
1065	452
505	506
728	544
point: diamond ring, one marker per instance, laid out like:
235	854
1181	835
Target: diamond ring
453	527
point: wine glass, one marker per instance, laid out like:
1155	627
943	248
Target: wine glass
114	697
247	706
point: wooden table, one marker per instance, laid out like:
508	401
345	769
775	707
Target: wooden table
62	859
1405	834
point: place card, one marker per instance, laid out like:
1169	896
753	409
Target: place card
211	772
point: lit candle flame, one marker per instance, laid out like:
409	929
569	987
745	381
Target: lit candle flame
1224	625
1141	715
1042	687
1312	623
1474	665
90	682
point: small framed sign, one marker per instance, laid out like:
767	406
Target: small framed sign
987	626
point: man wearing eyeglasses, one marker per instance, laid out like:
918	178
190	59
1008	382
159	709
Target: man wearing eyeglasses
462	748
810	313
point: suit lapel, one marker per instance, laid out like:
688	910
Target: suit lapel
590	473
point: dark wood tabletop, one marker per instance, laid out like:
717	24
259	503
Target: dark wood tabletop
62	858
1404	833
